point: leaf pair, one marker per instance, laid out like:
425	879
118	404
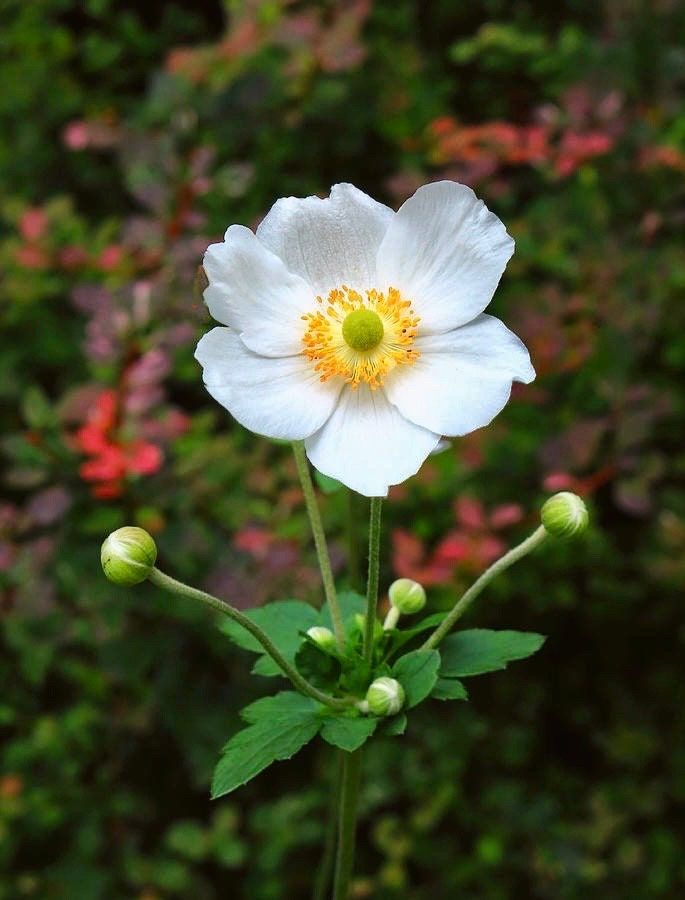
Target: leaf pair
279	726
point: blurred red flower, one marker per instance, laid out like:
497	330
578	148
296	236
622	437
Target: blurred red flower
112	457
471	546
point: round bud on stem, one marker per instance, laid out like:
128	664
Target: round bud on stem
407	596
385	697
128	556
564	515
324	637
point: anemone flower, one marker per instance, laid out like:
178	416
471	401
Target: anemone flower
360	330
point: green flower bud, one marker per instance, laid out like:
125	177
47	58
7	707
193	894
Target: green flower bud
324	637
128	556
407	596
385	697
564	515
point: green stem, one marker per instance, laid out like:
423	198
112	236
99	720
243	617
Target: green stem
183	590
323	877
347	824
458	610
319	540
352	540
372	583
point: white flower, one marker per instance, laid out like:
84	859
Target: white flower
361	330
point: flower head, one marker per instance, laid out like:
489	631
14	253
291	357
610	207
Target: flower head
128	555
407	596
564	515
360	330
385	697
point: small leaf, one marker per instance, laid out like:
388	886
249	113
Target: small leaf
280	726
395	726
417	672
346	732
282	621
449	689
317	666
400	638
480	650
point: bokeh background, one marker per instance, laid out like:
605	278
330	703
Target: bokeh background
132	134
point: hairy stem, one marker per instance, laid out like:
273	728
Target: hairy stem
347	823
183	590
319	540
323	877
372	582
352	540
458	610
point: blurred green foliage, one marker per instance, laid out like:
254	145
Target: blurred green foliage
133	134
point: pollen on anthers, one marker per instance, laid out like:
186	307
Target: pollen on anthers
360	338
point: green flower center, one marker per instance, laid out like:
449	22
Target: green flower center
362	330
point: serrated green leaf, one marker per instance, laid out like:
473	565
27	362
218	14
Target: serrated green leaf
417	672
449	689
395	726
280	726
480	650
271	707
282	621
346	732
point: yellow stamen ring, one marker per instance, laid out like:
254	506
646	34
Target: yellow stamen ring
358	338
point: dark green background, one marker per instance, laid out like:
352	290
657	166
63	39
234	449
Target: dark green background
564	777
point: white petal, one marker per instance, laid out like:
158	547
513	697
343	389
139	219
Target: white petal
462	379
368	445
252	291
328	242
279	398
445	251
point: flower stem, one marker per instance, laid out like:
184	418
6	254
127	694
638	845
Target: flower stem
458	610
372	583
347	823
352	540
183	590
351	764
319	540
323	877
